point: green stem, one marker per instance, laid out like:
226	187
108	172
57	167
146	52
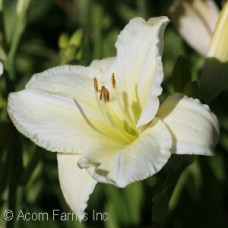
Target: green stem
165	185
1	5
97	54
87	27
2	27
2	33
27	173
20	26
4	175
15	168
142	8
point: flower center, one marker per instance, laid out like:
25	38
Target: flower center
122	125
119	125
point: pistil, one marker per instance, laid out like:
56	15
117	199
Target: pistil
118	126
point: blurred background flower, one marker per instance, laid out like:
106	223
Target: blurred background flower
214	78
195	20
1	68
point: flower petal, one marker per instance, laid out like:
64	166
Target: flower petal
1	68
138	68
76	183
99	67
46	112
66	81
142	158
193	126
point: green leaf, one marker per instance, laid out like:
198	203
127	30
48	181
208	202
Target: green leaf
191	89
6	135
164	187
181	74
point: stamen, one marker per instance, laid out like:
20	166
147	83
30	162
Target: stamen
108	116
113	81
95	84
104	94
118	126
127	117
86	118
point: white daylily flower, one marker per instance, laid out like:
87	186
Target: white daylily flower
1	68
105	120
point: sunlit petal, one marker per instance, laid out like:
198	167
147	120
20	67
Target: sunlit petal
138	67
76	183
137	161
51	118
98	68
67	81
193	126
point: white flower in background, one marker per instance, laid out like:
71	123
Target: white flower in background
195	20
214	78
105	121
1	68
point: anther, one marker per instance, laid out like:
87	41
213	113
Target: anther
104	94
95	84
113	81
